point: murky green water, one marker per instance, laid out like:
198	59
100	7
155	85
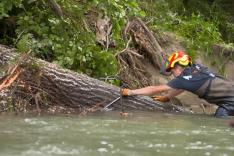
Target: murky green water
142	134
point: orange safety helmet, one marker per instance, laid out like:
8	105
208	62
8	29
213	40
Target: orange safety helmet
177	57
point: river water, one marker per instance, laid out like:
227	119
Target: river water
109	134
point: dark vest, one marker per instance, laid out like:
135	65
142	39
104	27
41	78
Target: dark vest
216	89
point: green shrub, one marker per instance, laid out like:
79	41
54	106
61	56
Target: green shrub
200	33
66	41
7	5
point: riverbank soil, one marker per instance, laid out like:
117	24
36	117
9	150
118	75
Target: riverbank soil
141	67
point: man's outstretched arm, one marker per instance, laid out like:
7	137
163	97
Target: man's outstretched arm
150	90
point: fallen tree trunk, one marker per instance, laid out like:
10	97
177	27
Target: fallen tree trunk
44	86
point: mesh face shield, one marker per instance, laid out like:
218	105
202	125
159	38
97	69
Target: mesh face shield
164	68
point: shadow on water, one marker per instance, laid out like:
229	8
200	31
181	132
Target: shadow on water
107	133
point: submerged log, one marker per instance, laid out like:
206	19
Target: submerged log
69	90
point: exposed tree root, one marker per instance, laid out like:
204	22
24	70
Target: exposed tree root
142	49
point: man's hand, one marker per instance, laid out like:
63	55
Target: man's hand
125	92
161	98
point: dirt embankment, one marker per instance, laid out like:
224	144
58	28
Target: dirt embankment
221	61
170	43
141	69
140	61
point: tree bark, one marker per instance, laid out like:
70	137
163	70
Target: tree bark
78	92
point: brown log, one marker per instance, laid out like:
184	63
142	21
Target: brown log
79	92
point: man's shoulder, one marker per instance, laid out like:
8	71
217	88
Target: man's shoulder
190	73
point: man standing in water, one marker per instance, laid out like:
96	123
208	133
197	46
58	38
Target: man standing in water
194	78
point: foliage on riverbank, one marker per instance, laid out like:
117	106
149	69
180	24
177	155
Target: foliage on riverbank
201	23
58	31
